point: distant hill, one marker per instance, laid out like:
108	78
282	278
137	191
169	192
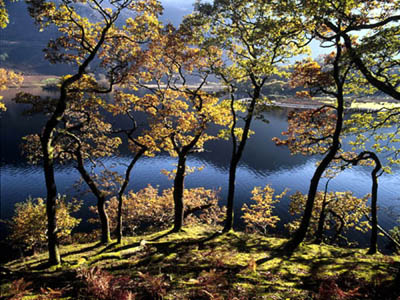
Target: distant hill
21	43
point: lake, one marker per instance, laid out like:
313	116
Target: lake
262	163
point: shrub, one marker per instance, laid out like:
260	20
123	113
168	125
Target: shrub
259	215
29	223
102	285
148	208
19	289
342	209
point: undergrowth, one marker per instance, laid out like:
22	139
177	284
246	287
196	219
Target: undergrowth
195	264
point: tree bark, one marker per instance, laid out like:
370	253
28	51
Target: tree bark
46	140
301	232
322	217
121	192
374	201
101	200
374	197
51	198
237	152
178	193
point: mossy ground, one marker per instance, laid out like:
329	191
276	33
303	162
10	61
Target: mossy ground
196	262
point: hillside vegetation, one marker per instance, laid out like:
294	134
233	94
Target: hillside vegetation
195	264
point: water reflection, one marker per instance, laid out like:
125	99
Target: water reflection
262	163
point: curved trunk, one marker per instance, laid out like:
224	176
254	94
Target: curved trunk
101	200
322	217
301	232
121	192
380	85
46	140
237	153
105	224
178	193
374	201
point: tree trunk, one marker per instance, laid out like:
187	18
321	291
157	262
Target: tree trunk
178	193
301	232
105	226
237	153
322	217
231	194
374	201
320	228
121	192
46	140
51	199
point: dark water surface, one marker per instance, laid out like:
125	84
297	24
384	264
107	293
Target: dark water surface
263	163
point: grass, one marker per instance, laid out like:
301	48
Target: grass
198	265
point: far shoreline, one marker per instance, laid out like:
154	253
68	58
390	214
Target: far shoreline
364	103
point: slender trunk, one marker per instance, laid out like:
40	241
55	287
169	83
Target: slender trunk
231	194
237	153
322	217
101	200
320	229
54	254
48	156
178	193
105	224
340	228
374	200
121	192
301	232
48	169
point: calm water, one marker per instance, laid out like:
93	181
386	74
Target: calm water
263	163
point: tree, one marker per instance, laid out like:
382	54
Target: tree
138	146
179	113
333	211
82	40
376	51
83	136
257	40
369	127
150	209
324	136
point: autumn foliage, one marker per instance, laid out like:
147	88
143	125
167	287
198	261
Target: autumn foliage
342	210
28	225
151	210
259	216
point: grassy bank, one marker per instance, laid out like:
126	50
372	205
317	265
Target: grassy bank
196	265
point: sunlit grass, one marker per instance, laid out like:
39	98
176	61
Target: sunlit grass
252	262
